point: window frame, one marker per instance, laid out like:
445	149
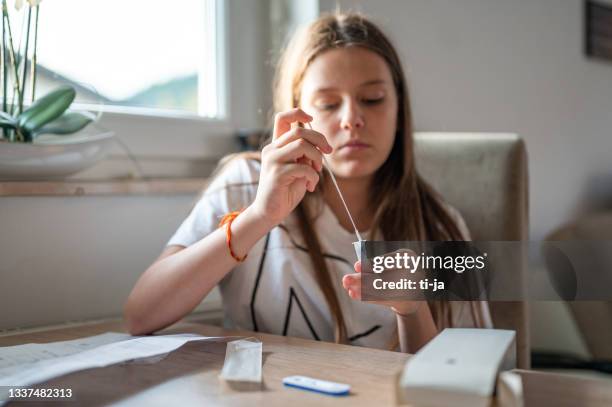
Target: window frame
159	134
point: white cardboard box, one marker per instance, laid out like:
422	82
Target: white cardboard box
459	367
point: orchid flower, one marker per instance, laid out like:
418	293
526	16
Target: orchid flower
32	3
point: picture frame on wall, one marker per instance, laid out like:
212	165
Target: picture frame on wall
598	29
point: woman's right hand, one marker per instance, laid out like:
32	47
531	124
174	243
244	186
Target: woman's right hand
290	166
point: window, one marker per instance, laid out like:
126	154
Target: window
137	54
177	79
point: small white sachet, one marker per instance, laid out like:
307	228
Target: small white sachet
242	361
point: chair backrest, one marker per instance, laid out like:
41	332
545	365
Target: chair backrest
484	176
592	317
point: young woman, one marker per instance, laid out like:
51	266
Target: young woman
285	263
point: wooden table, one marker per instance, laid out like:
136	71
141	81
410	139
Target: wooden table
189	376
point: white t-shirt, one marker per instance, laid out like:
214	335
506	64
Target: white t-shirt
274	290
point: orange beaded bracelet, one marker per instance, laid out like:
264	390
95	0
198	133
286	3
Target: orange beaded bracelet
227	220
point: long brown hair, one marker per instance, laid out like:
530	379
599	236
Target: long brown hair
407	207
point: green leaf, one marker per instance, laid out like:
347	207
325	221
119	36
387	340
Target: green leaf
68	123
7	121
46	109
7	125
6	117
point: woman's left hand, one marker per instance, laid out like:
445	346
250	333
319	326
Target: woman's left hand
352	284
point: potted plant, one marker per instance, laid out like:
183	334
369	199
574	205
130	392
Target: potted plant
33	142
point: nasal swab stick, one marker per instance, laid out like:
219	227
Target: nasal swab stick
326	164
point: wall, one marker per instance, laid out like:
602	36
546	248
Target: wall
77	258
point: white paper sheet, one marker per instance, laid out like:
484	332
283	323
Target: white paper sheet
139	347
20	355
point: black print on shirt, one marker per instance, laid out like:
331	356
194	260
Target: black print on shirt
257	278
293	295
364	334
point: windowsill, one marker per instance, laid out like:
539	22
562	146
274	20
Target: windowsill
154	186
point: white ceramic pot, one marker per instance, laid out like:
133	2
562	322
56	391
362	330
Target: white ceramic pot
51	156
